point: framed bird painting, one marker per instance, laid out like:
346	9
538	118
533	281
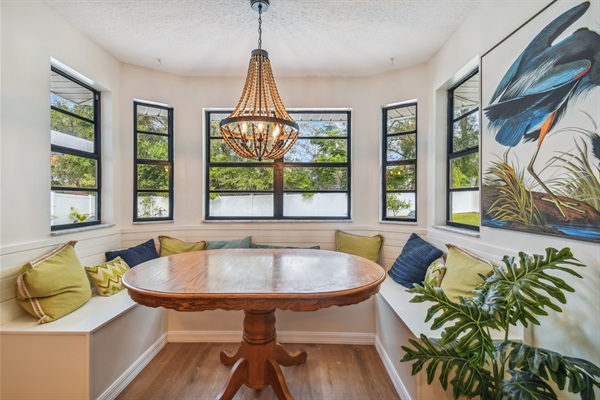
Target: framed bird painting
540	140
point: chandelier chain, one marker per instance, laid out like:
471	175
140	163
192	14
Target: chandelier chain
260	26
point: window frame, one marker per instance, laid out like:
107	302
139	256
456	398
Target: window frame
451	154
95	155
142	161
278	167
385	163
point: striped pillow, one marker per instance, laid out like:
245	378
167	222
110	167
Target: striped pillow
107	276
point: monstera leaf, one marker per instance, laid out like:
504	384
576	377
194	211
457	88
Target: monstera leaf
471	323
526	386
581	375
456	367
525	289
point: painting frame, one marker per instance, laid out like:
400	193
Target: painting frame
540	125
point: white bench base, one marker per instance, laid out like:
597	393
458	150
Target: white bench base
92	353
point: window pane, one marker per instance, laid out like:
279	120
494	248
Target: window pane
252	178
71	132
464	171
153	177
315	204
318	150
68	207
466	133
215	120
70	96
400	177
403	147
465	207
466	96
221	152
72	171
326	124
152	147
241	205
151	119
153	205
402	119
317	178
400	205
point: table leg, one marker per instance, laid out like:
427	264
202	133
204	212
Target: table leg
257	361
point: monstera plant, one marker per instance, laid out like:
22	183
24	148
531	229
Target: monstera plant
475	365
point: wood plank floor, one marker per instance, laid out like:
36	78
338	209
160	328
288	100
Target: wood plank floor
193	371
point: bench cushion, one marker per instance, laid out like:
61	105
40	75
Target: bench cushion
229	244
108	276
135	255
171	245
411	265
463	270
54	285
363	246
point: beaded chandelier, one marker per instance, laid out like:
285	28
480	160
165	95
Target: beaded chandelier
260	127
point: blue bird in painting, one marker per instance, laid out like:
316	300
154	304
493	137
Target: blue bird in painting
541	85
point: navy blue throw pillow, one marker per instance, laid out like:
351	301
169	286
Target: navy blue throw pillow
411	265
135	255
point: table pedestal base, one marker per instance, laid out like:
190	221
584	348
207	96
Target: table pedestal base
256	363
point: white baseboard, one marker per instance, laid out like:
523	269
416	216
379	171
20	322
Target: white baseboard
121	383
282	336
389	367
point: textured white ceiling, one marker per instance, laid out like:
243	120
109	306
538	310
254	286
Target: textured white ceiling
303	37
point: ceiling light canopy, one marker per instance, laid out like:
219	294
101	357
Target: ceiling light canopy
260	127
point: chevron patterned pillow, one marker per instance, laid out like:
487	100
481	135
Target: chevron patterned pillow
107	276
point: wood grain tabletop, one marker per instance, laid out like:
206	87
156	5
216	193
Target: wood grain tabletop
258	279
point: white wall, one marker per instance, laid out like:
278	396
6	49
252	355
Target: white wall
32	34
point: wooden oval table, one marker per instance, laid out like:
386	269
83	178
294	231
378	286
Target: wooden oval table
257	281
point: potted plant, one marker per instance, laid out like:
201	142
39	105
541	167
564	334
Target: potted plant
477	366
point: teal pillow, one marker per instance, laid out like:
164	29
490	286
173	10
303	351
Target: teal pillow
272	246
229	244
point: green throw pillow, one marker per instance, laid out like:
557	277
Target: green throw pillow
229	244
108	276
53	285
462	272
364	246
169	246
435	272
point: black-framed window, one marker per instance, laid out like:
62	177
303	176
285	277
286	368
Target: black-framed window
399	169
463	153
75	162
153	166
311	181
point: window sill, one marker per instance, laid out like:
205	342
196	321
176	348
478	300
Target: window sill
460	231
171	221
276	221
82	229
399	222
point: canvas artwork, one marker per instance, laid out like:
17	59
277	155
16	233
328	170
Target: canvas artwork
540	125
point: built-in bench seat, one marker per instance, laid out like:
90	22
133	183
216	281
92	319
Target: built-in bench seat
399	320
91	353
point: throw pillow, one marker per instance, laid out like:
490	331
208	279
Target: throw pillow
54	285
435	272
412	263
462	272
229	244
272	246
363	246
108	276
135	255
170	245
